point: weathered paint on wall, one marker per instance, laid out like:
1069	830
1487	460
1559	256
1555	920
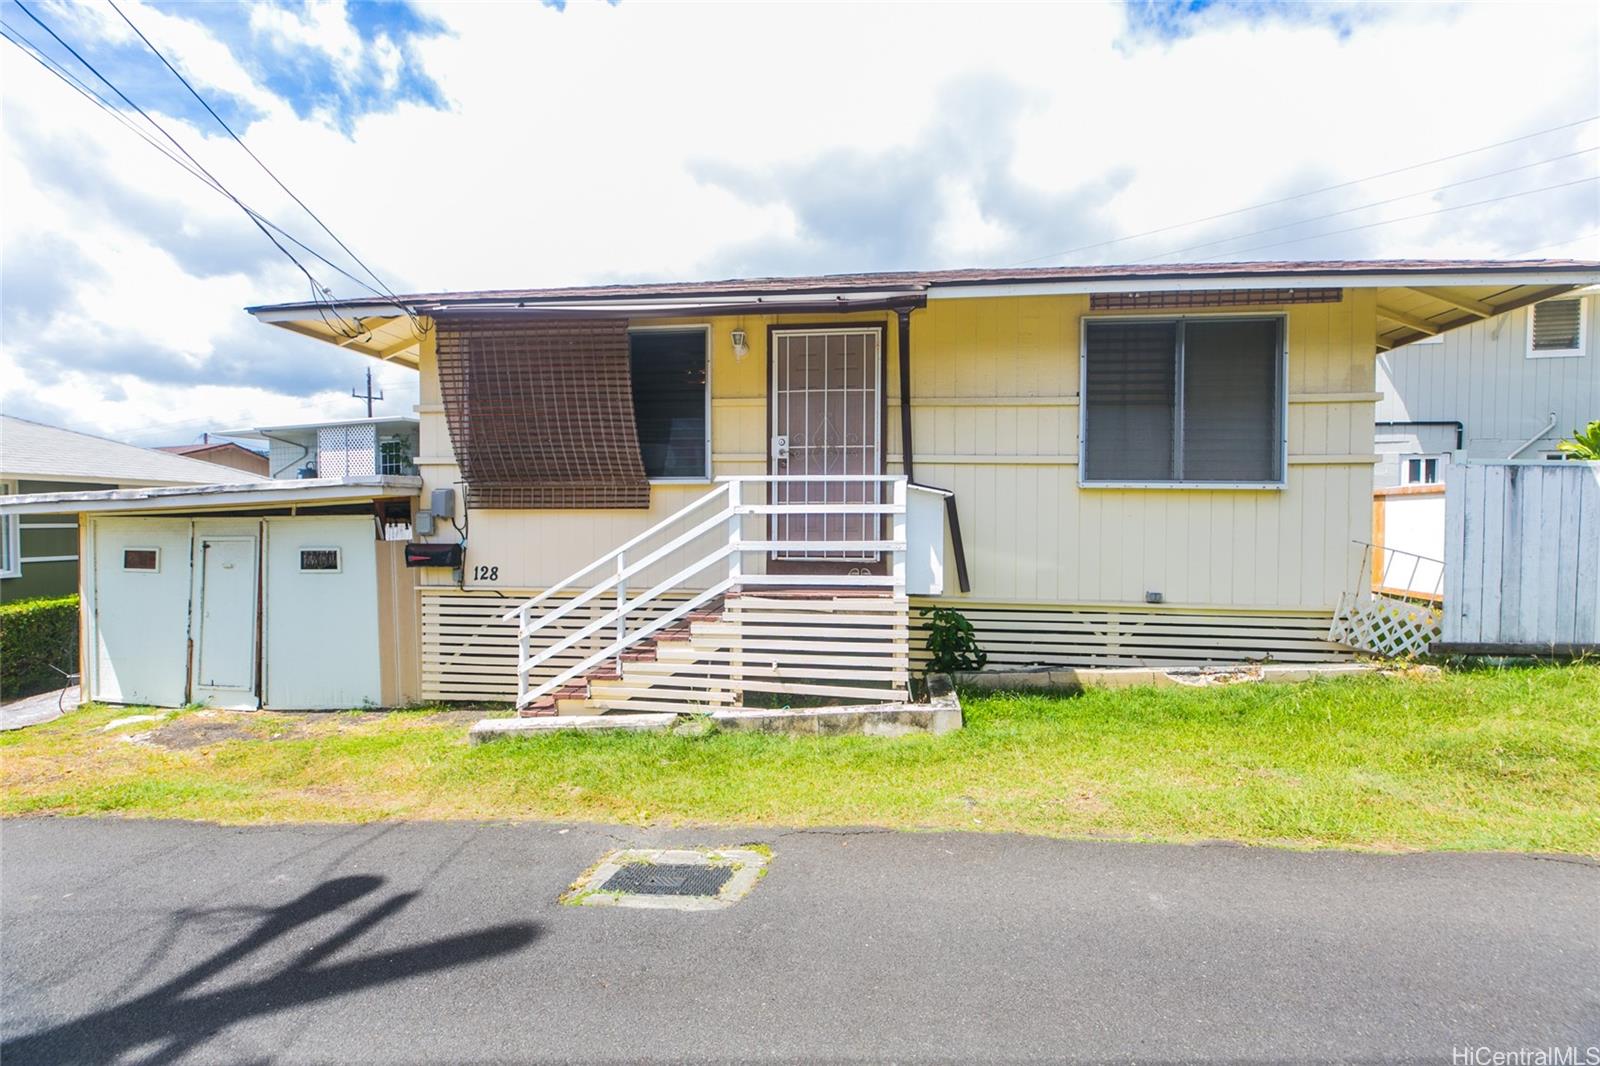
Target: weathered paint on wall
995	415
1481	375
1522	559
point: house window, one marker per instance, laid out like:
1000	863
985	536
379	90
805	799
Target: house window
141	560
671	402
394	456
1183	401
10	538
319	560
1422	469
1556	327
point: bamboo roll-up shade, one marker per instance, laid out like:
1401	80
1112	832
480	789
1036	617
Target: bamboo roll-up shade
541	413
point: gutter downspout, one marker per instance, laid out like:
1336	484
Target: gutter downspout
907	453
305	452
1536	438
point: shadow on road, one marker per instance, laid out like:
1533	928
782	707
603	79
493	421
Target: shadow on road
173	1019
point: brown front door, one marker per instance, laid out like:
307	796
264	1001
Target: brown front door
827	418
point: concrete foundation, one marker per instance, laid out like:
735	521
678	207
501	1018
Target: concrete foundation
1078	679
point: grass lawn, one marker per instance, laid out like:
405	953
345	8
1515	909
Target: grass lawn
1484	758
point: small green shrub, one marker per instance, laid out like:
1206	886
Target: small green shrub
34	636
952	645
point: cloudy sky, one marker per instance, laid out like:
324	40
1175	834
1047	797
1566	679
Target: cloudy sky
471	145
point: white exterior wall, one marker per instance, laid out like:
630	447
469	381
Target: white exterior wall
1481	375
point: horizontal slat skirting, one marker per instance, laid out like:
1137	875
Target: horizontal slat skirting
1061	636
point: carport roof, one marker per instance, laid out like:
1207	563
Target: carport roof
237	495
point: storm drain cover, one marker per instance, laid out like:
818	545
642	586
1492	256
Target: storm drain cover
668	879
671	879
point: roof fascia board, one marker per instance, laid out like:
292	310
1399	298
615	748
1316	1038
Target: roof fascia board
677	305
297	312
188	498
958	291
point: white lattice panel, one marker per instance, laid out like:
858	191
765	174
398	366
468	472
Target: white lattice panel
1383	626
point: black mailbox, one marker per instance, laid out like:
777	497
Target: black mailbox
446	555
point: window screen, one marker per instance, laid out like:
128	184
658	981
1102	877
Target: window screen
668	368
1230	401
1557	326
1183	400
141	559
319	559
1130	381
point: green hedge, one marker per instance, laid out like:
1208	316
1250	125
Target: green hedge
35	635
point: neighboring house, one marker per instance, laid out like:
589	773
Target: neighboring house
347	447
1502	386
716	494
39	553
223	453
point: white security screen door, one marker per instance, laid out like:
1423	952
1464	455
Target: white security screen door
225	616
826	419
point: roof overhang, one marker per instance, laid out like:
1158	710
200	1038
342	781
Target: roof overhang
1412	304
379	423
391	333
1415	298
186	499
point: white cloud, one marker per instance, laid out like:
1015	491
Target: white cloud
655	140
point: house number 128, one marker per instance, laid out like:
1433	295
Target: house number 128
486	573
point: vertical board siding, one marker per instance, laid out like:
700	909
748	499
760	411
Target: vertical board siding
1481	375
1522	554
995	414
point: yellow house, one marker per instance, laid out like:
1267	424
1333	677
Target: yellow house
682	494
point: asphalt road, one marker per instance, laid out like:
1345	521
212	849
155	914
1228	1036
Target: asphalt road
150	941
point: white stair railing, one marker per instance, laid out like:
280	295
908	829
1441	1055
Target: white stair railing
711	574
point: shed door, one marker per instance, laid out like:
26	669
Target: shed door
138	609
225	621
826	419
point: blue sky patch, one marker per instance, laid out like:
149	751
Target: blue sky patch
310	79
1173	20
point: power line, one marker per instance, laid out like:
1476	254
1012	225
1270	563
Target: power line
1312	192
1422	214
1375	203
315	285
279	181
28	48
1556	244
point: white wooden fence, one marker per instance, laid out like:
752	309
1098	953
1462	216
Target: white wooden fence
1522	558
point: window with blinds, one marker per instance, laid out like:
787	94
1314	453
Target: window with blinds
1555	327
1183	401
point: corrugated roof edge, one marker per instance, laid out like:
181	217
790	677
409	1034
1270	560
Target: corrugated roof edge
920	281
166	497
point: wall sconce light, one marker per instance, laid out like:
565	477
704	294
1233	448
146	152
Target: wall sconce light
741	346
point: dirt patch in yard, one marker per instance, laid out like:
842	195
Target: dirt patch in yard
193	731
203	729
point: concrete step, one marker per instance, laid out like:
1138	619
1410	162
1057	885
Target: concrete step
494	728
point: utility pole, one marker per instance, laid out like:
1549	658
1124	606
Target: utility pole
369	395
